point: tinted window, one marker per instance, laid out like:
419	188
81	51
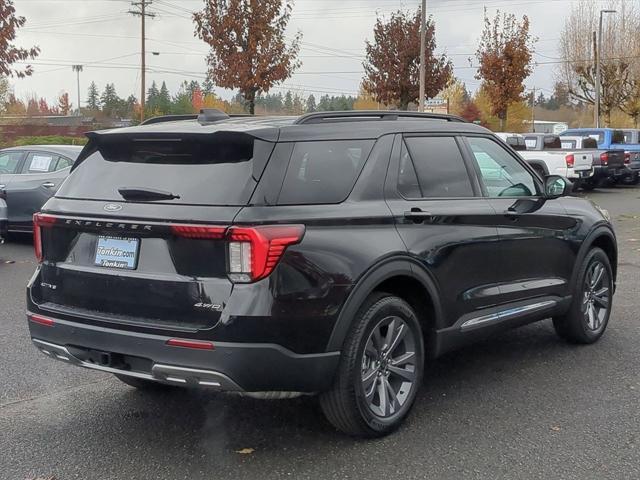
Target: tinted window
9	161
439	166
628	137
597	136
408	185
323	172
501	174
64	163
40	162
221	169
617	136
551	142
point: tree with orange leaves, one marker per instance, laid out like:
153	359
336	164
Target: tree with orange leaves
64	104
248	48
505	55
392	66
9	53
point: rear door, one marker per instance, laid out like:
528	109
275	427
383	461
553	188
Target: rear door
536	255
40	176
444	221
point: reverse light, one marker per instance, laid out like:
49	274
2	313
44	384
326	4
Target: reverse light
254	252
195	344
604	158
570	159
40	221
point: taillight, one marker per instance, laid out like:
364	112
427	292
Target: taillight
570	159
198	231
40	221
604	158
254	252
47	322
627	158
195	344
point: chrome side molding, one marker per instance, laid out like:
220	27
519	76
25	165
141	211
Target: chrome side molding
507	314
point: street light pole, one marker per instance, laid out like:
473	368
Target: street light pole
78	69
598	73
423	37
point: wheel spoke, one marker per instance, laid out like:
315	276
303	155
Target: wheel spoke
592	316
603	300
390	333
598	272
376	338
370	386
394	404
408	375
403	359
397	338
371	349
384	398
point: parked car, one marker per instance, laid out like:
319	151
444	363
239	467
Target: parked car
573	164
31	175
608	139
514	140
632	142
331	253
605	162
541	141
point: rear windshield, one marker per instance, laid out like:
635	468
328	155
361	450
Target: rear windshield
222	169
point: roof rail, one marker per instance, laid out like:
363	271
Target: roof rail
168	118
355	115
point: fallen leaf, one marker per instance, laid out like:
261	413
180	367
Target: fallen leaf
246	451
555	428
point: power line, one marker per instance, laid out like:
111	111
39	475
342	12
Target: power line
140	9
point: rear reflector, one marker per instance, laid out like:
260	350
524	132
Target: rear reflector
48	322
40	221
196	344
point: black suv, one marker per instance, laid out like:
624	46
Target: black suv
331	253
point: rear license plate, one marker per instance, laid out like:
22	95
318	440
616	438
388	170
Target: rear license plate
117	252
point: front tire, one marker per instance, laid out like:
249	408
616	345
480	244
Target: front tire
588	316
380	369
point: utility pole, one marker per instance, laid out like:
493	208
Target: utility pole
423	38
533	110
78	69
598	74
141	11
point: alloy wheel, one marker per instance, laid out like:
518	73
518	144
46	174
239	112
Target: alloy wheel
596	299
389	366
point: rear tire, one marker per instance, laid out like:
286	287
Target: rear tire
588	316
588	185
380	369
143	384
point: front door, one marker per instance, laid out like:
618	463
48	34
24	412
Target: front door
536	255
444	221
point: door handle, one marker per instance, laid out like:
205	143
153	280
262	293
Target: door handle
417	215
48	184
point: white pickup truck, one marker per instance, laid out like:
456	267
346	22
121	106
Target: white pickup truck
575	164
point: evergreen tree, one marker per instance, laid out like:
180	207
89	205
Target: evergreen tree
311	104
208	87
164	99
288	102
110	101
93	100
152	103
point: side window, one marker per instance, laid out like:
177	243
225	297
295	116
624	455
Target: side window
323	172
501	174
408	185
9	161
439	167
63	162
39	162
617	136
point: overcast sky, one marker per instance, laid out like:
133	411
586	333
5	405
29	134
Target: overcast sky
102	36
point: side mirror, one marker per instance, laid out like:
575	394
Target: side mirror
556	186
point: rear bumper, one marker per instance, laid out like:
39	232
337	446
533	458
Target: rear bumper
228	367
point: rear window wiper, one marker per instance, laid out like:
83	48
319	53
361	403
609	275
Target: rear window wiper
140	193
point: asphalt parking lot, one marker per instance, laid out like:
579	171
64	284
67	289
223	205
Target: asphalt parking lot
521	405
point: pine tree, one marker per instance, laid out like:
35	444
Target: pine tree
164	99
153	97
110	101
311	104
288	102
93	100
